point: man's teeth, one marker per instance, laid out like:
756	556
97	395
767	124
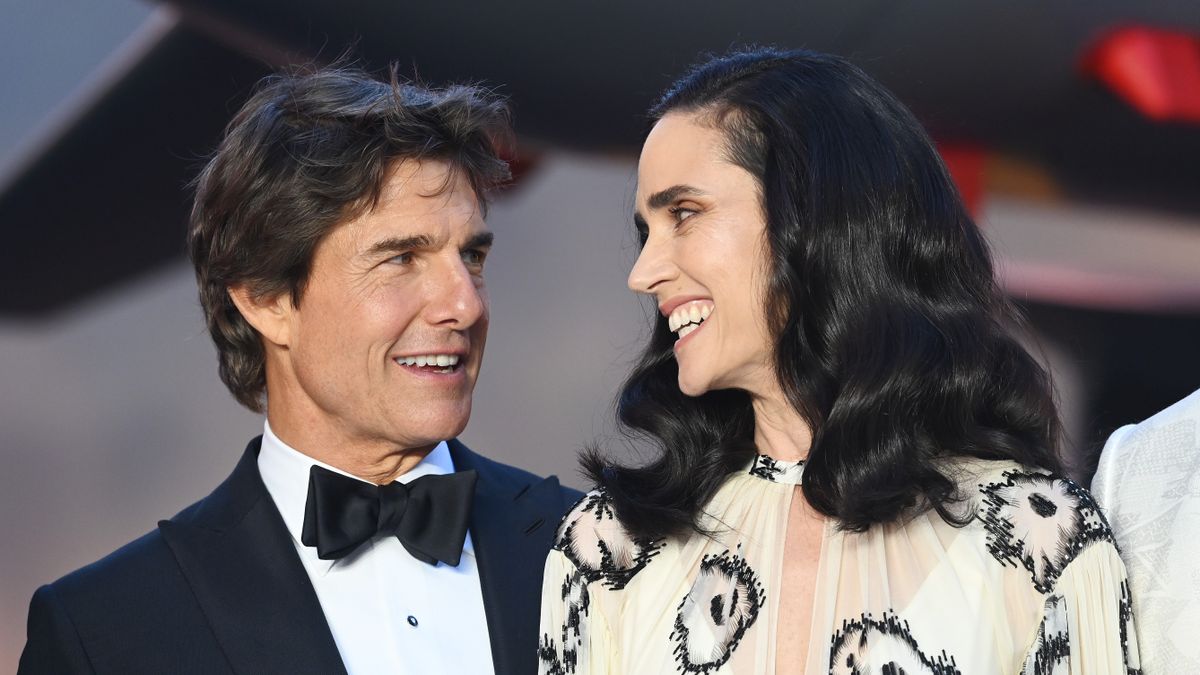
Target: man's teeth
689	314
438	360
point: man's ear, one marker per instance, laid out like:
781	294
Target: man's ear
271	316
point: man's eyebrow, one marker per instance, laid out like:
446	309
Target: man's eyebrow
401	244
664	197
419	242
481	240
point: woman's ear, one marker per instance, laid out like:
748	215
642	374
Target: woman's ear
271	315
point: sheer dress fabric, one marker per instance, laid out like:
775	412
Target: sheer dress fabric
1032	584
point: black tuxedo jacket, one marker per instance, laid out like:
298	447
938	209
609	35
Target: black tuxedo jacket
219	588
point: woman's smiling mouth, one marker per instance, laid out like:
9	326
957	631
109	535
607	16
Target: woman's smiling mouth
688	317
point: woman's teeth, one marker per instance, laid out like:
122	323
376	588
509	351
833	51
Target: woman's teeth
686	318
446	362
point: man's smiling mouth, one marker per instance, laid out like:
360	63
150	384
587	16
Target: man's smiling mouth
431	363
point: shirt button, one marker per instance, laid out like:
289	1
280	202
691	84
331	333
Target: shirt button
412	621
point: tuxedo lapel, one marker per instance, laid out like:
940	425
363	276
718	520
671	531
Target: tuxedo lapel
239	559
513	518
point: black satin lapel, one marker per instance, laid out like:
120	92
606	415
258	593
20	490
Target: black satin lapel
512	529
241	563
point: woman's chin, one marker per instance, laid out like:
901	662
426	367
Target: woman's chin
692	386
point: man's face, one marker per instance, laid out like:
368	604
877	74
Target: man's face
386	342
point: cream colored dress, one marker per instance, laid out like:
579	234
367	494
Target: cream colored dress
1033	584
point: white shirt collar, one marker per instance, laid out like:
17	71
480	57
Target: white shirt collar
285	473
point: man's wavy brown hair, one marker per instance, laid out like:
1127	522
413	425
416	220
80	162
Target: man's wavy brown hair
307	152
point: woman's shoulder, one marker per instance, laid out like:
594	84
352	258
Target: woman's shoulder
1031	518
592	537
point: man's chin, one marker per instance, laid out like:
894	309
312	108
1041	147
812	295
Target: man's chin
440	427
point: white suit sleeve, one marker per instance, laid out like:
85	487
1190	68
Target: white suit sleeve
1104	483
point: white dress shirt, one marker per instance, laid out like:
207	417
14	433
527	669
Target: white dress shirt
388	612
1148	484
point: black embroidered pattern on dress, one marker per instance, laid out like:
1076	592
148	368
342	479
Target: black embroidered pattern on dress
765	467
1052	648
561	656
1040	522
869	646
769	468
1125	616
592	538
716	613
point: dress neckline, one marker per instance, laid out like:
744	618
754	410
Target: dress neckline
777	471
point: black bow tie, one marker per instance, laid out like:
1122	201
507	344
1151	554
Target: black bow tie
429	515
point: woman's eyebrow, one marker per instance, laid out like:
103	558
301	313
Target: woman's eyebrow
664	197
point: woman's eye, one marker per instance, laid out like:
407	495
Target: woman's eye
680	213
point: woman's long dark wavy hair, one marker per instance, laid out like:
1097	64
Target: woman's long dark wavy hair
893	338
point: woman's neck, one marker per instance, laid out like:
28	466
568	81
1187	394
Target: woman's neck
779	430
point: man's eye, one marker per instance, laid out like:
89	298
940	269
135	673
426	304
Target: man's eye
402	259
474	257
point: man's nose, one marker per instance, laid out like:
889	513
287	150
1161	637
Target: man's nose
458	300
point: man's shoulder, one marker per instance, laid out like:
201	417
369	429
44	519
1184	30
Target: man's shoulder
137	590
126	567
131	611
144	567
506	476
143	570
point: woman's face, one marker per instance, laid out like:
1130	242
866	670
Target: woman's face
705	259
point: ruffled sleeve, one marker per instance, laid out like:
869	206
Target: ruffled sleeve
593	558
573	641
1087	620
